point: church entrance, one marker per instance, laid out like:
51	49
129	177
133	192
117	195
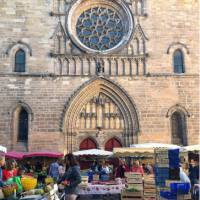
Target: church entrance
103	113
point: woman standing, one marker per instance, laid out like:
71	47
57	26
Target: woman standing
72	176
10	171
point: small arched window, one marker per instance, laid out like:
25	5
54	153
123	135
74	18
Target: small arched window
20	61
23	126
178	62
178	125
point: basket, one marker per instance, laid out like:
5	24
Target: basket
49	180
9	189
29	183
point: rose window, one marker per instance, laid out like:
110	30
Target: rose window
99	28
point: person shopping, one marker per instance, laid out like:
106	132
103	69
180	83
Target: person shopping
72	176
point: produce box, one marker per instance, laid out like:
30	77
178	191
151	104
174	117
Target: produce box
138	187
132	195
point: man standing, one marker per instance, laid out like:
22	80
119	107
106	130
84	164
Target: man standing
54	170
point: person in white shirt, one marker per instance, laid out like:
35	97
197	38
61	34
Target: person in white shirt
183	176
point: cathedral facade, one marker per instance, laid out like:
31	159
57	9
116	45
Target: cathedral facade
79	74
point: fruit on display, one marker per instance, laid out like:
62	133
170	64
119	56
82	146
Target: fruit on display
9	189
29	183
49	180
35	192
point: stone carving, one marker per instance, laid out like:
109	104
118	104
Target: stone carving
100	113
96	31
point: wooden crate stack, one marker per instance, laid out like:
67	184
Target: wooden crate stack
161	158
149	187
135	187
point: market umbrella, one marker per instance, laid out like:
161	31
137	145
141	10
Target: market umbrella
43	154
15	155
191	148
155	145
3	149
94	152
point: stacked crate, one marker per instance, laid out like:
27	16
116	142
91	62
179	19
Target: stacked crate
135	187
149	187
161	166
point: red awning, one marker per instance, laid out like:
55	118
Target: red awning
15	155
43	154
21	155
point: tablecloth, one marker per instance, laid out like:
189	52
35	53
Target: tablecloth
101	189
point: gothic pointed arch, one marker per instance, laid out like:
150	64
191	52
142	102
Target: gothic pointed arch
22	117
100	91
178	124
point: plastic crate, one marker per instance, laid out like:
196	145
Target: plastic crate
168	195
180	188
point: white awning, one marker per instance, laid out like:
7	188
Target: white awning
3	149
191	148
155	145
95	152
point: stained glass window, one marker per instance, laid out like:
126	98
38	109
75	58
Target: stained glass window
178	62
20	61
99	28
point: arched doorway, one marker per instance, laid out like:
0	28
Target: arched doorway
88	143
99	108
112	143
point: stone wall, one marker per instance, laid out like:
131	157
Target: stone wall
47	97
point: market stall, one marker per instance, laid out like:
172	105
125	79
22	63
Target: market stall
98	189
25	183
166	179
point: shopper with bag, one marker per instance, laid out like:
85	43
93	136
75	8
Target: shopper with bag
71	178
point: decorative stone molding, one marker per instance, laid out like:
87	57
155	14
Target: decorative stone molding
127	58
178	45
178	108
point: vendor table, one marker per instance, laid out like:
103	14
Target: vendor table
101	189
100	197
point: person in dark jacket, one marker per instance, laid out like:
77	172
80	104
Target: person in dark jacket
2	163
194	172
71	178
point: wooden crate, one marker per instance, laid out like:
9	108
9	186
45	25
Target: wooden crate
134	180
149	198
184	197
132	195
133	175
